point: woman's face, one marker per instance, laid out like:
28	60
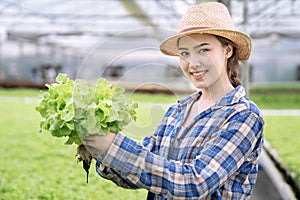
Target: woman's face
203	60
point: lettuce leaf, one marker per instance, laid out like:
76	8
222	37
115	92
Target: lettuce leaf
75	109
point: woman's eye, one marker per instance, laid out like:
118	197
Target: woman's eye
184	54
203	50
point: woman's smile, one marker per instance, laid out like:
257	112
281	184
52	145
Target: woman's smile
198	74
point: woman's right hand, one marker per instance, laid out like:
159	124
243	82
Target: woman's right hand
98	144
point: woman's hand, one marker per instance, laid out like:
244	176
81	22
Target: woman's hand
98	144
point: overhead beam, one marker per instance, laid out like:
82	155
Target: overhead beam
137	12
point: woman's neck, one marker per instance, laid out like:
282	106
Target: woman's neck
214	93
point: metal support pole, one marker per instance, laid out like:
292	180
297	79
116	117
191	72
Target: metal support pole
245	68
244	75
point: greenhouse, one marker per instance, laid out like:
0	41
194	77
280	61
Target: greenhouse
118	40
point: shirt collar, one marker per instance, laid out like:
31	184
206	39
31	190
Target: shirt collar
231	98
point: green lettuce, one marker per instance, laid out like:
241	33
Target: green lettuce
75	109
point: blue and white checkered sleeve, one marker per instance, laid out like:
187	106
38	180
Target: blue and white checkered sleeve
114	175
220	158
149	143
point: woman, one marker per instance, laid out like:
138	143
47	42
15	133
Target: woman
207	145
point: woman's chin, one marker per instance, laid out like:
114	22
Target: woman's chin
199	85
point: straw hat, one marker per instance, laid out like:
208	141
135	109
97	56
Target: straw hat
211	18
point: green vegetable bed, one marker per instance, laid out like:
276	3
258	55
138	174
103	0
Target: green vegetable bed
36	165
283	135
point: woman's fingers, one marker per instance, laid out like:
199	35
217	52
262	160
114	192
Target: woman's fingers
100	142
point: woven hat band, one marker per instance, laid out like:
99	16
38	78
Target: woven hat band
193	29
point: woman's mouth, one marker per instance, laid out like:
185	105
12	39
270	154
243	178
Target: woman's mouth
198	74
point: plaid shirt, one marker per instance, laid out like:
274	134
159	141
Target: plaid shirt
214	157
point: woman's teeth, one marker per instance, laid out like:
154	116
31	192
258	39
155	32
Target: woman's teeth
198	73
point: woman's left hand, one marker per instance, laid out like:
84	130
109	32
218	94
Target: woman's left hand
97	144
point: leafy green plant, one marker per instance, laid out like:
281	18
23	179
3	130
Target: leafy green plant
75	110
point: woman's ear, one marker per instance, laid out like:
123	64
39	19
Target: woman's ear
228	51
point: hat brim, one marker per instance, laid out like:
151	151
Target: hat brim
241	40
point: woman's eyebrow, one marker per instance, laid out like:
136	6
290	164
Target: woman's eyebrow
200	45
182	48
195	47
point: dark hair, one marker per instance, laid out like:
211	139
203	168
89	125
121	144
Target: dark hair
232	64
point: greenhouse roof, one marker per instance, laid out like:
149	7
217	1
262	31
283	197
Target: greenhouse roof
84	20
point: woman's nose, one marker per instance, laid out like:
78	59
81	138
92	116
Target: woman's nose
194	60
